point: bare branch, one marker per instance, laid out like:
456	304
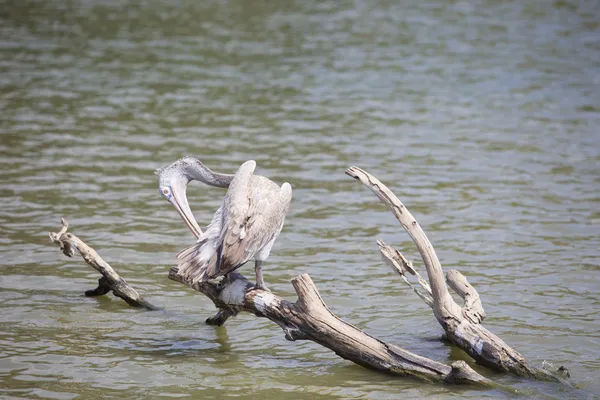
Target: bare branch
110	280
399	263
472	309
444	306
461	325
309	318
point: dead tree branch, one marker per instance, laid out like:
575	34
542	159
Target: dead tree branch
110	280
461	324
472	307
306	319
309	318
400	264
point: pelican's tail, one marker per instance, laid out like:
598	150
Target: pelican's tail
198	263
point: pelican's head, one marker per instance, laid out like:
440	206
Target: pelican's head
172	182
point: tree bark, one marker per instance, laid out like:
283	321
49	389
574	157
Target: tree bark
461	324
110	280
309	318
306	319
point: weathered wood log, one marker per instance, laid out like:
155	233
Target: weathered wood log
472	308
306	319
309	318
461	324
110	281
399	263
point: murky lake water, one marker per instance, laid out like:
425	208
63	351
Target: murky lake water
481	116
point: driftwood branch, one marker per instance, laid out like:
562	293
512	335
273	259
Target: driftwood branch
472	308
309	318
306	319
110	280
461	324
400	264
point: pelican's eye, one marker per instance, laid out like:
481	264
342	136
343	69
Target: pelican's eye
166	192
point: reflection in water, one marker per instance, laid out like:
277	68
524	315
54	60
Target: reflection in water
223	339
480	116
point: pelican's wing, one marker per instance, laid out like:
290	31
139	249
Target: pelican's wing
252	223
199	261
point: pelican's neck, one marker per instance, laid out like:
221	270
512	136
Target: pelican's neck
199	171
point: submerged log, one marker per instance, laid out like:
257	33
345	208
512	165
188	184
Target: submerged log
461	324
309	318
110	281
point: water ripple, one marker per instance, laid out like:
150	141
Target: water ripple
480	116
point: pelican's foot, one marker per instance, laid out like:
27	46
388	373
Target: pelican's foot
260	281
264	287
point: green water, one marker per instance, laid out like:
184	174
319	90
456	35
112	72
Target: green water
481	116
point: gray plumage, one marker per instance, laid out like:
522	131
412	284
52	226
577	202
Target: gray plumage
243	228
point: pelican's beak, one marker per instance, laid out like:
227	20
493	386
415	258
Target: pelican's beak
179	200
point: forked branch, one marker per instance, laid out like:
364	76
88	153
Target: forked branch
306	319
309	318
461	324
400	264
472	308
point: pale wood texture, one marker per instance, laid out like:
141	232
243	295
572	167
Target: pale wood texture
472	308
400	264
110	280
309	318
306	319
461	324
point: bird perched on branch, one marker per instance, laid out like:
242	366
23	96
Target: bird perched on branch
244	227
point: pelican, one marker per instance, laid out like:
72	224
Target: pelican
244	227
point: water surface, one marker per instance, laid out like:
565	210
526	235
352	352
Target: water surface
481	116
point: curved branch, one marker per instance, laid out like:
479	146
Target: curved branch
399	263
472	309
309	318
306	319
458	323
444	305
110	280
